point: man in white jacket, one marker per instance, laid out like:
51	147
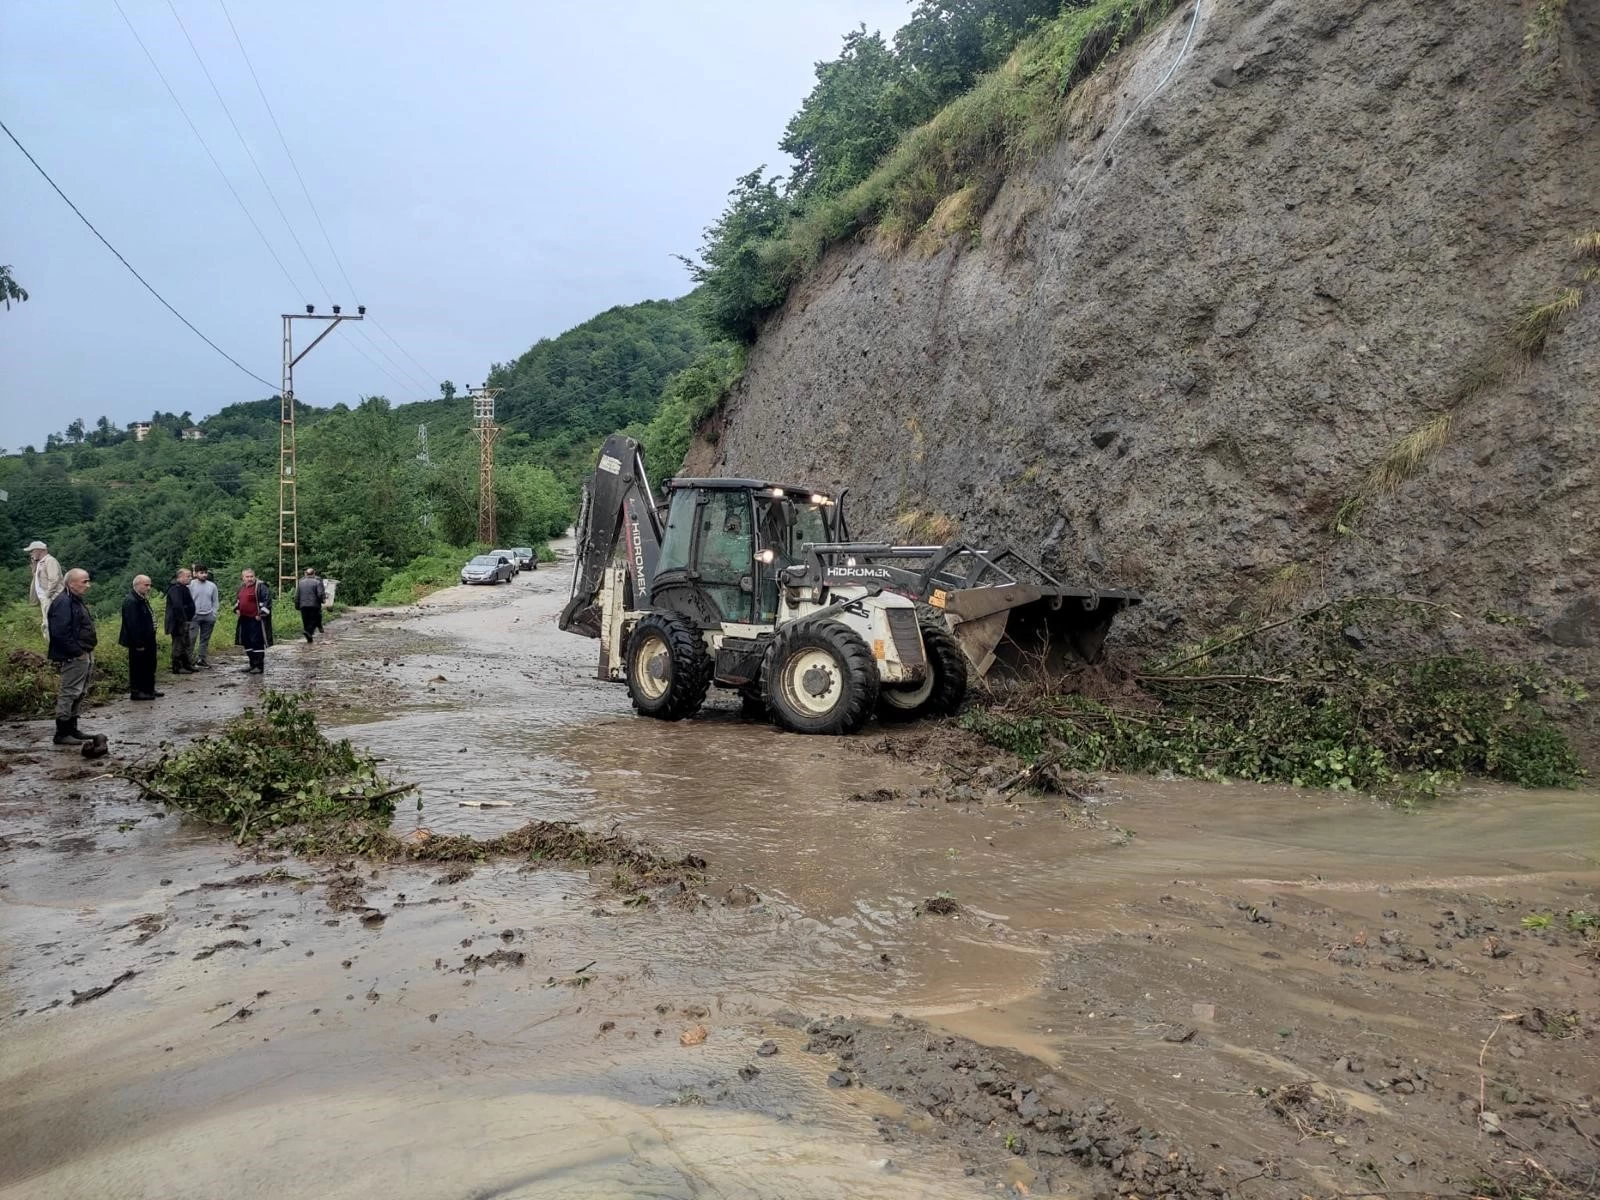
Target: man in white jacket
46	584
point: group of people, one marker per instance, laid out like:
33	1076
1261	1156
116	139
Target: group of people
192	605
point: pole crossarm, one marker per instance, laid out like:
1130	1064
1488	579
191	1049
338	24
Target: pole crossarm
288	482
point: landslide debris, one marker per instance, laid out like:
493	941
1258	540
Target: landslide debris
1341	695
273	781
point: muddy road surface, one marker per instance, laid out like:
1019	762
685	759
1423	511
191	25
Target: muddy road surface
892	983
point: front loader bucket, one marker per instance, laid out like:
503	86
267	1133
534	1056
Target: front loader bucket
1021	632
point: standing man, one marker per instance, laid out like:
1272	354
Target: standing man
180	612
46	584
254	606
308	598
72	641
205	615
139	636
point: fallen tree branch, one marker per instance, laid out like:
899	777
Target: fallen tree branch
1310	612
1214	679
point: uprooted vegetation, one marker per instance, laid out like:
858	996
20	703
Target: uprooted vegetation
1334	696
275	782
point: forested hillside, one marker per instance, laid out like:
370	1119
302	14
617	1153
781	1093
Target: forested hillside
369	504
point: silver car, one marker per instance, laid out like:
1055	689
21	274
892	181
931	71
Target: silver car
489	568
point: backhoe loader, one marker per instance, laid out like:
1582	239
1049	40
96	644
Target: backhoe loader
757	587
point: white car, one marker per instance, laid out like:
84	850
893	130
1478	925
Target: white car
489	568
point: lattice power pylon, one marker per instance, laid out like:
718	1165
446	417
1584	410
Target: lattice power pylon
486	431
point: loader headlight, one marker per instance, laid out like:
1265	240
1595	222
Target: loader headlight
818	499
777	491
765	556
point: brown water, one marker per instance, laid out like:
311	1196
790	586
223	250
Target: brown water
371	1062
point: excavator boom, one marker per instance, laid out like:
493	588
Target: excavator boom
618	523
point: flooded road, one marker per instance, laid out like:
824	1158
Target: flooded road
1179	950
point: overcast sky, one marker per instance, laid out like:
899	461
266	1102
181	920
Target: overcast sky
489	172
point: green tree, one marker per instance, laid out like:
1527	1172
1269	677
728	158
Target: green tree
10	289
847	123
735	285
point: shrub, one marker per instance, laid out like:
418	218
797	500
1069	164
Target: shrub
269	769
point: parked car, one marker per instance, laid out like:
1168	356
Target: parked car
495	567
527	560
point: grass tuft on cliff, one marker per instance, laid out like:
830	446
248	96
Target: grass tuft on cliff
1534	325
1007	120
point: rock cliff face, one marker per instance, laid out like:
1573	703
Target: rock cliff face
1247	332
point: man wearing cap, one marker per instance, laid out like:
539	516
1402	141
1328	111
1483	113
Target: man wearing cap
72	642
46	583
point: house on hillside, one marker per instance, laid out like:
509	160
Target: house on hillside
140	430
193	434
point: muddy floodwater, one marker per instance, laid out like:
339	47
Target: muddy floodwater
1275	992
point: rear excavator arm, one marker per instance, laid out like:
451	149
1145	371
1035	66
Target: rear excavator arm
618	526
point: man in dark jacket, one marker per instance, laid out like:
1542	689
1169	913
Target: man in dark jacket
139	636
254	606
180	613
72	642
308	598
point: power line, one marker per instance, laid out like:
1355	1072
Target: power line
249	153
129	265
426	375
404	385
400	366
284	142
195	129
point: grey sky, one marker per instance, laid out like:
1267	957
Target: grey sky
490	172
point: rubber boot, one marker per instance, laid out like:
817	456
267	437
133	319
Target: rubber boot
78	733
66	735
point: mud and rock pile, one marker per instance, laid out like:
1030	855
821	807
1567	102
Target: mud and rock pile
1247	332
991	1104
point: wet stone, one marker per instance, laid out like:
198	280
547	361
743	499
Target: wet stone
767	1048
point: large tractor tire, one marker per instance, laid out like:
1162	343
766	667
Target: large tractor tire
941	693
820	677
668	668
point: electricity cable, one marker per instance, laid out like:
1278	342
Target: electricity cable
195	129
249	153
126	263
426	375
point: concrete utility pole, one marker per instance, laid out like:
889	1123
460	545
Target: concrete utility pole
288	483
486	431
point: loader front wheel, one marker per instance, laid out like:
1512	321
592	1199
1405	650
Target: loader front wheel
668	668
941	693
820	678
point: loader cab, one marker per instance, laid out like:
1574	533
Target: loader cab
725	542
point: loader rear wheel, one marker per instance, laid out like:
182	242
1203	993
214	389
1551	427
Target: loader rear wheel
941	693
668	667
820	678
